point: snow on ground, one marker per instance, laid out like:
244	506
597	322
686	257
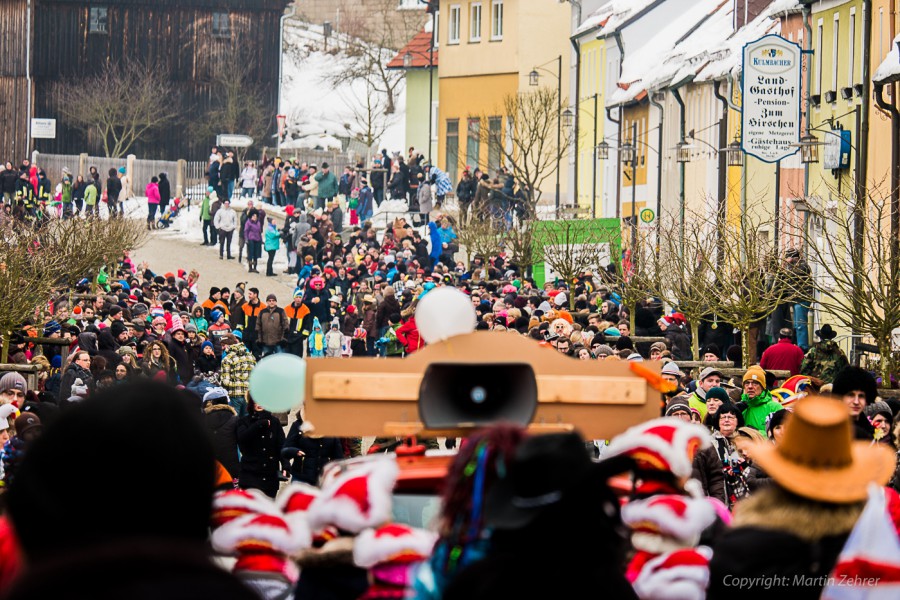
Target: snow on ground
318	113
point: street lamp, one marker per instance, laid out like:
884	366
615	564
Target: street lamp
683	152
626	152
407	60
567	117
534	80
735	154
809	149
603	150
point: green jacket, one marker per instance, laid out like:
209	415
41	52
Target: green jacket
758	409
204	209
394	347
90	194
328	185
66	190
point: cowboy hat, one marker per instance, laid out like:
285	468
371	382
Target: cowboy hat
826	333
817	458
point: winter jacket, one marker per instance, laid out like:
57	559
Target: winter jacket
260	439
271	325
776	535
226	219
328	184
229	170
317	452
204	208
299	322
273	238
758	409
8	181
221	422
824	360
408	335
73	371
679	342
253	231
184	366
90	195
707	469
113	189
165	190
152	193
387	307
423	195
248	177
235	370
785	355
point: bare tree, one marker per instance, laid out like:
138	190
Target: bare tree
750	275
526	142
572	246
858	270
370	118
237	104
120	105
481	234
640	276
370	42
35	262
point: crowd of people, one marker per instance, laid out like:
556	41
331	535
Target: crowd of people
723	482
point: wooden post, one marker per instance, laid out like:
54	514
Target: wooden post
180	173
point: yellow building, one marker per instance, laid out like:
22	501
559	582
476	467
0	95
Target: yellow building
488	49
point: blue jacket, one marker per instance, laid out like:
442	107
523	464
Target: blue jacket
273	238
437	246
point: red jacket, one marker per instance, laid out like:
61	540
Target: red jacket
785	355
408	335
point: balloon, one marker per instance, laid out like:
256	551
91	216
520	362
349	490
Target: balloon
278	381
443	313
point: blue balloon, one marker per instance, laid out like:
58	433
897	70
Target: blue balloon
278	382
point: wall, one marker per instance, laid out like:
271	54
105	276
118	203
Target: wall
13	81
418	109
591	125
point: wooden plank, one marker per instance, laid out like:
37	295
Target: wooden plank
404	387
404	429
695	364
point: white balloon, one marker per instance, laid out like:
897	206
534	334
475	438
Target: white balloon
443	313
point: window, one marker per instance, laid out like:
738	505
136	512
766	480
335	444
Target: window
98	19
452	149
496	19
434	121
453	25
475	22
851	47
820	38
495	130
221	24
436	26
473	142
835	40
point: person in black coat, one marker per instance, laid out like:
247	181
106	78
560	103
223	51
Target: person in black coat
221	422
78	369
165	192
260	439
309	454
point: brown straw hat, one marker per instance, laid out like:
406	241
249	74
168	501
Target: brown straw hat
817	458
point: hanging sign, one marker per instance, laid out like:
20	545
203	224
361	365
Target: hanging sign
771	98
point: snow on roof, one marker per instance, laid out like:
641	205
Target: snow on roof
726	57
614	15
780	6
319	113
889	69
683	42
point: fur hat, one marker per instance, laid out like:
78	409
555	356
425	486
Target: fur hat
849	379
357	499
667	445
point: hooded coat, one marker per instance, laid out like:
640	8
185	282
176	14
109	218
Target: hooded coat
317	452
73	371
260	439
221	422
758	409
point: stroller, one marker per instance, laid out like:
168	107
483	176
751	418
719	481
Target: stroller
172	210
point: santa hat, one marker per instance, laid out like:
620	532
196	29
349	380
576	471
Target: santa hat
667	521
664	444
392	543
679	575
232	504
259	533
177	324
357	499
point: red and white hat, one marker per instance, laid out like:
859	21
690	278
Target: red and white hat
177	324
263	533
231	504
664	444
681	519
295	502
679	575
357	499
392	543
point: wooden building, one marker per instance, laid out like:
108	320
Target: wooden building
189	40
